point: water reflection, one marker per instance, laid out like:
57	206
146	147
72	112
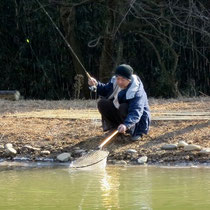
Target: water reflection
136	188
120	189
110	184
114	188
99	190
152	188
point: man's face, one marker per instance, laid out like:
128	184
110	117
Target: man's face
122	82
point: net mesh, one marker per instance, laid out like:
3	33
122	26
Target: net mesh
90	159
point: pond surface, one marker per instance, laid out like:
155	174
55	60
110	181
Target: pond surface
128	188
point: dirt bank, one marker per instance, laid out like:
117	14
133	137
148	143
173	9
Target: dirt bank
21	126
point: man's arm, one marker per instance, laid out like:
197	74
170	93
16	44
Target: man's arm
135	110
102	89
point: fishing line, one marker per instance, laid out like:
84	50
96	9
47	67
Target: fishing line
69	46
131	5
92	88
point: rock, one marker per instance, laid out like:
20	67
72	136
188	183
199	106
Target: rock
192	147
131	151
169	146
121	162
182	144
1	146
45	152
79	151
8	146
32	148
11	150
28	146
205	151
64	157
36	149
142	160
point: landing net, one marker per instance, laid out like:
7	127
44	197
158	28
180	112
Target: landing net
96	158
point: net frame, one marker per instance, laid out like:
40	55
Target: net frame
90	159
94	157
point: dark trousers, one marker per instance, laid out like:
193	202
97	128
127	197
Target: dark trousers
111	116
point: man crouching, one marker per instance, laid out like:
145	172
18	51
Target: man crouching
124	105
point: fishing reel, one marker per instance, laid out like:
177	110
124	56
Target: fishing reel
93	88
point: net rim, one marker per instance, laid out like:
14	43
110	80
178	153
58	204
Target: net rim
91	163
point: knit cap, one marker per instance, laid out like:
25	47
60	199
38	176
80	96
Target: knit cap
124	70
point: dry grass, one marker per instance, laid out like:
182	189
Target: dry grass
198	104
87	109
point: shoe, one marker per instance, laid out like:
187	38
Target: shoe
136	138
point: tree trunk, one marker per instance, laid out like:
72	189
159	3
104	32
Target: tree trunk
17	15
106	60
68	19
119	52
108	56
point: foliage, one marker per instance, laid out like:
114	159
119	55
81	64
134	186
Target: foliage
166	42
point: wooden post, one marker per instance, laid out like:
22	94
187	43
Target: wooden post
13	95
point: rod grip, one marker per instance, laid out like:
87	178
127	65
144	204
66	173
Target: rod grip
108	139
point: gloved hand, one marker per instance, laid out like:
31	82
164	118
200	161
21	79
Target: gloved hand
92	82
121	128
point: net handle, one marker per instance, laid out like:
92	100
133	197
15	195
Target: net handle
108	139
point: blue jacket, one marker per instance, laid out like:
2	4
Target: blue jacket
138	118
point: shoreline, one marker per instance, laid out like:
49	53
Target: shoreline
161	146
63	129
6	164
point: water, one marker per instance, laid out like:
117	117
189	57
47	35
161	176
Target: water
129	188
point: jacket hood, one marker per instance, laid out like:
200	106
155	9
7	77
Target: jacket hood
135	85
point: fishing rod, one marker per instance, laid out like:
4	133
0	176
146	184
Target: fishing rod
92	88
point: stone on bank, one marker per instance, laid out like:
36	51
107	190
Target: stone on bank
64	157
169	147
142	160
192	147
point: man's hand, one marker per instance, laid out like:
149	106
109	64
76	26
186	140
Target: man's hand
92	82
121	128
